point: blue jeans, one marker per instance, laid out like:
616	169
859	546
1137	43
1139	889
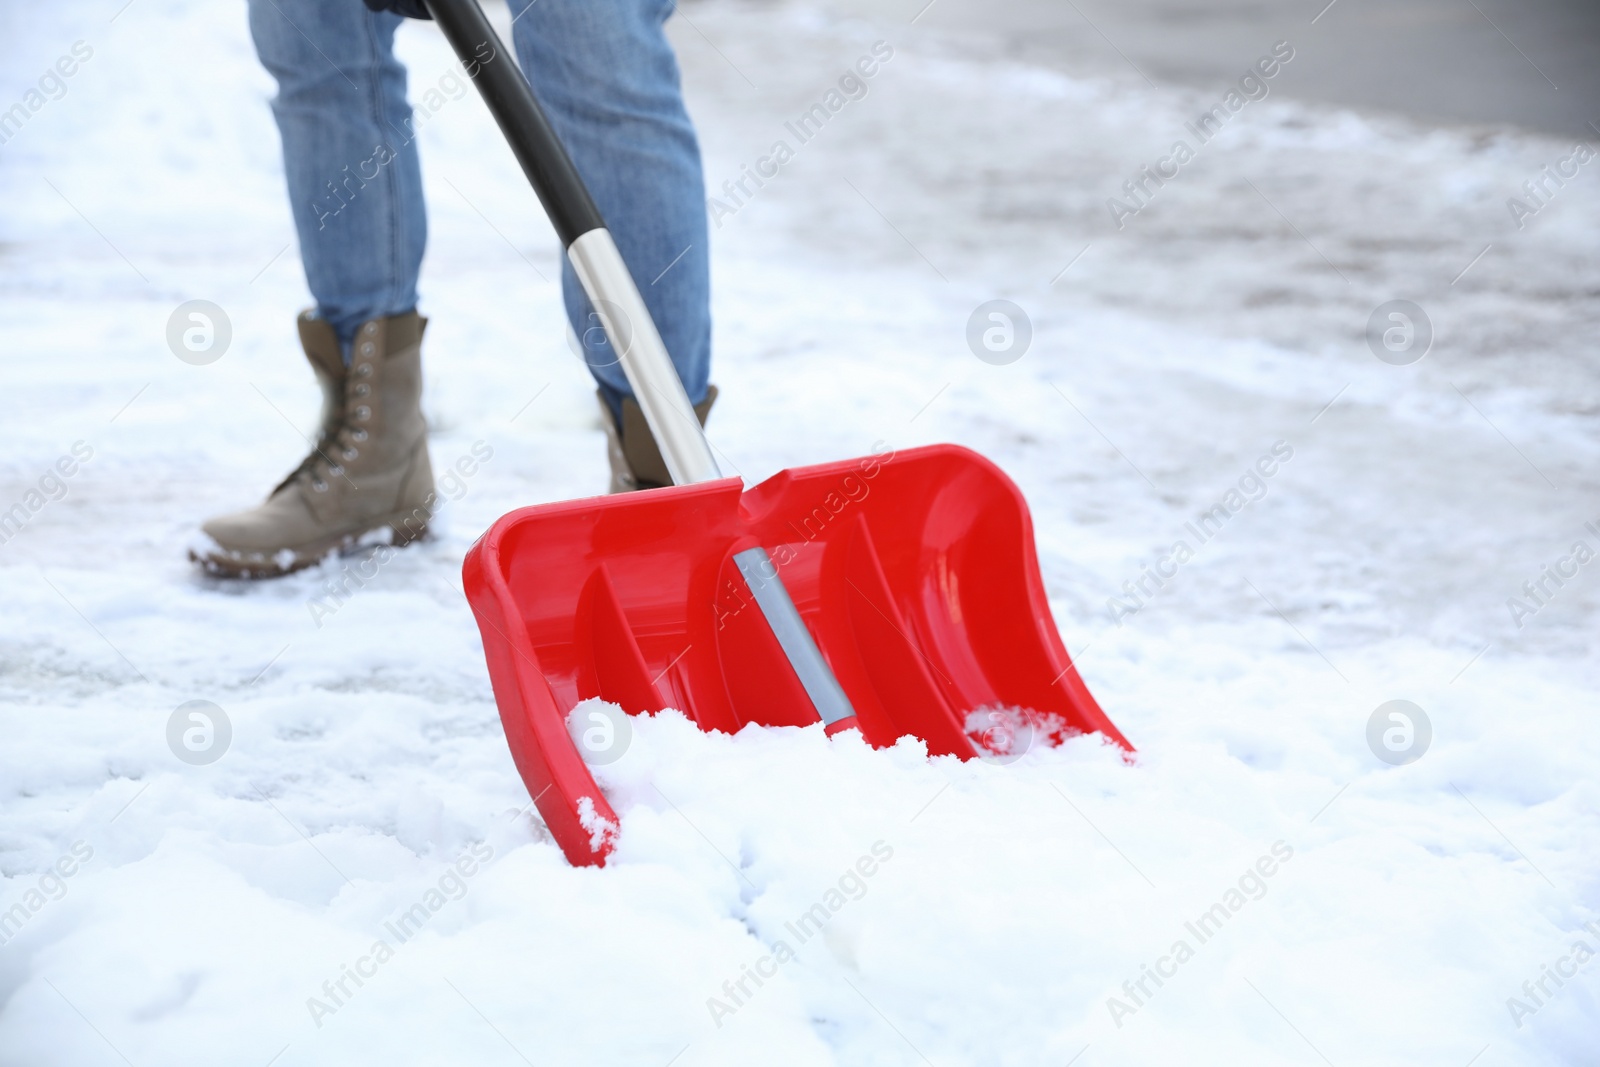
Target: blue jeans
608	79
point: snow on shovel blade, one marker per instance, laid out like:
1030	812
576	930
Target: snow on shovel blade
915	573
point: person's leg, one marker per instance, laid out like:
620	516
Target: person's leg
349	154
356	194
607	76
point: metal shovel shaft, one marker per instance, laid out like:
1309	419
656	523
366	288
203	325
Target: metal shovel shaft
589	246
633	336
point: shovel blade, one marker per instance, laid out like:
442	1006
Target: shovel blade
915	572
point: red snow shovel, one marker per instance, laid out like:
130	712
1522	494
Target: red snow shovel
898	594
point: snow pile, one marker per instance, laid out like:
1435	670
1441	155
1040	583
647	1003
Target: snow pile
355	873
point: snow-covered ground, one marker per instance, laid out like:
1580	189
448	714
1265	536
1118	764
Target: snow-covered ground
1013	912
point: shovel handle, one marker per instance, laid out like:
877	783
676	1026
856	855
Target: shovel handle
592	252
628	325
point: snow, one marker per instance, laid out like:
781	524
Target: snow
208	905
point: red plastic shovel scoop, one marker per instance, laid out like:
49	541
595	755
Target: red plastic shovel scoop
898	594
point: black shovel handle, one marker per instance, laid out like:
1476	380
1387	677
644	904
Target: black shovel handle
527	130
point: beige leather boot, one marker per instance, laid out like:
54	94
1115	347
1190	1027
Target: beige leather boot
368	478
636	461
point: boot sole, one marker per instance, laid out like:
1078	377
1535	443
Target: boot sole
254	566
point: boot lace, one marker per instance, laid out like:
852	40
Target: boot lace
336	445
